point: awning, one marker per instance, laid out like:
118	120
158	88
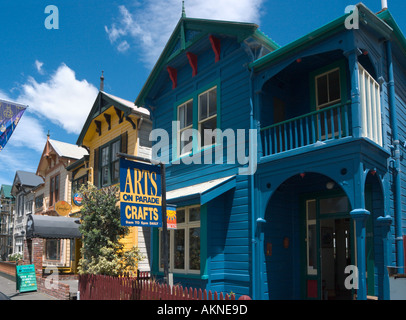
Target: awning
52	227
200	193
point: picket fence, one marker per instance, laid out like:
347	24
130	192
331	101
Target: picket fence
101	287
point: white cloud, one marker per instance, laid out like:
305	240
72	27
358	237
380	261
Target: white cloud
62	99
123	46
38	65
29	133
149	26
15	158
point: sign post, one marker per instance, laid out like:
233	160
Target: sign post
165	226
26	279
143	197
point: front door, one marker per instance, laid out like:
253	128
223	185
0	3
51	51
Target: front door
328	246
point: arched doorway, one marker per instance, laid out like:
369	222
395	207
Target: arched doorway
308	240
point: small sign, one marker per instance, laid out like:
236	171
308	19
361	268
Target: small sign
77	199
140	194
26	279
171	217
63	208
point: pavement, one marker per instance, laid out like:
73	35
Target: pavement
8	291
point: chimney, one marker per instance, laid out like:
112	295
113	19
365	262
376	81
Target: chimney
384	4
102	82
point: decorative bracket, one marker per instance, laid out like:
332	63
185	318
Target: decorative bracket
193	62
120	114
216	46
131	121
98	126
173	74
108	119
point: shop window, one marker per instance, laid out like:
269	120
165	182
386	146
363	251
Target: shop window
184	242
52	249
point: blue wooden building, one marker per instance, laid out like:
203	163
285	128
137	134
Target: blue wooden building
321	196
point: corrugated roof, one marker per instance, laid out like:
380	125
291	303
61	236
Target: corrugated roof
127	103
196	189
6	190
29	178
68	150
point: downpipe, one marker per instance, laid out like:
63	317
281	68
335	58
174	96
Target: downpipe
396	159
254	233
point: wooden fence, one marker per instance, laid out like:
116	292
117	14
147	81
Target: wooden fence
100	287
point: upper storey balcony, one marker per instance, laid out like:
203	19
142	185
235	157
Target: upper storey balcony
311	102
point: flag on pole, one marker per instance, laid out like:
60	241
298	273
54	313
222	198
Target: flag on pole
10	115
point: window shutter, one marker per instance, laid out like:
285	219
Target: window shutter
96	167
124	142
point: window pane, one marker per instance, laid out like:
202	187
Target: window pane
180	216
194	248
334	85
115	148
189	113
212	102
186	138
179	249
161	247
206	131
311	209
194	214
52	249
181	116
116	171
105	156
334	205
203	106
311	249
322	96
105	175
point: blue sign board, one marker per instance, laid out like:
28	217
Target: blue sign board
140	194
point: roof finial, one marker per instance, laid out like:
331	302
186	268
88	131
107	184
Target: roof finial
183	9
102	82
48	135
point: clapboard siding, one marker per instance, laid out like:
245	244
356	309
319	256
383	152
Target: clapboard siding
228	245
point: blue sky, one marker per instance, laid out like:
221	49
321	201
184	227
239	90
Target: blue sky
56	72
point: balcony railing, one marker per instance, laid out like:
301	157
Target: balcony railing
371	122
326	124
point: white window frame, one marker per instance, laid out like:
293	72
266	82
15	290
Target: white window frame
208	118
328	103
187	225
180	130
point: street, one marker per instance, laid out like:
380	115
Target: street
8	292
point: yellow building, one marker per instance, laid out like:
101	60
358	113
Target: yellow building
113	125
